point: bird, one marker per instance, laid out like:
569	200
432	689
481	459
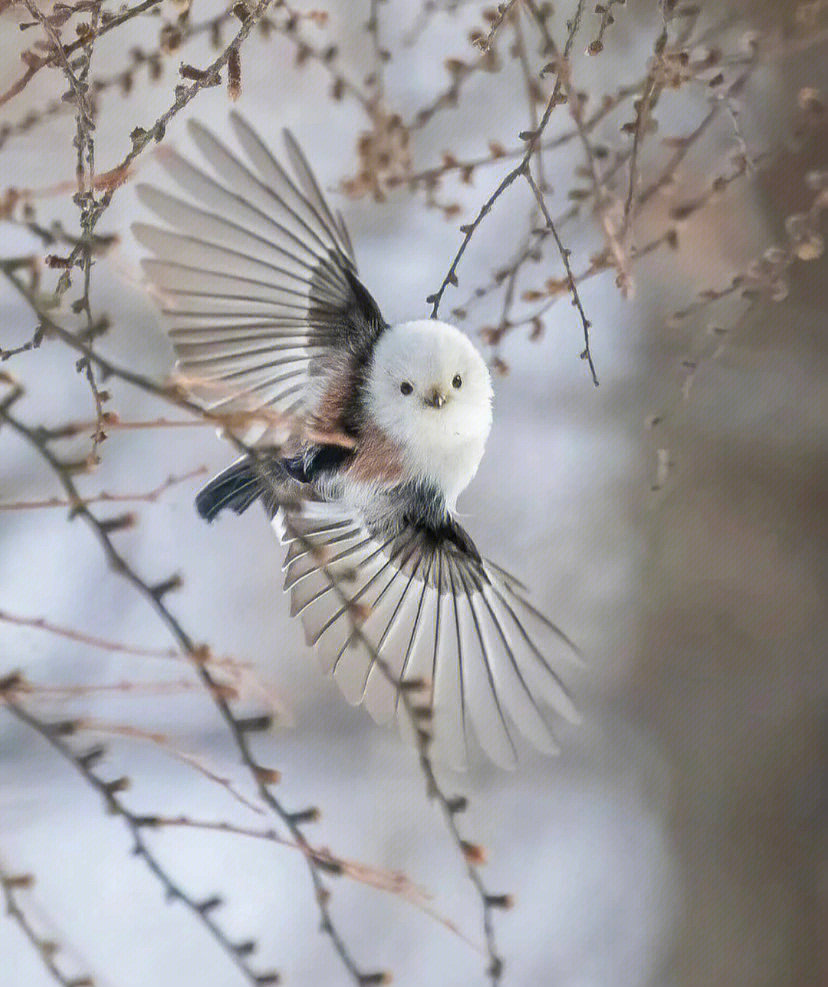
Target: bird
372	431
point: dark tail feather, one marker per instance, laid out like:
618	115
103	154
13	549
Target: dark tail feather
237	488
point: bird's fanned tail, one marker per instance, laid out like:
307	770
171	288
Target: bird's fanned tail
402	607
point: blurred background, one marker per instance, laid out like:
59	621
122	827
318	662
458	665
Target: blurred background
671	520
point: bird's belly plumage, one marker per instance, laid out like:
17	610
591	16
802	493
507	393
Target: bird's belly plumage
450	466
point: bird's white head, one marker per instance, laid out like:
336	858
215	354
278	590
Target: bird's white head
430	391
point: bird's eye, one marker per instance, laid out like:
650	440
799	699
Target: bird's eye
457	382
406	388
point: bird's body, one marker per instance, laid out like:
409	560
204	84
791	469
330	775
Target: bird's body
267	312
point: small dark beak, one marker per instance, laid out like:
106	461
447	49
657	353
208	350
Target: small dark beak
436	399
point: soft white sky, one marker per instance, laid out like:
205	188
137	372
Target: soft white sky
562	498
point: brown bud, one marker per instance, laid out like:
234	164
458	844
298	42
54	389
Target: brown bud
474	853
267	776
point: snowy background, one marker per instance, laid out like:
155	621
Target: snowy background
679	839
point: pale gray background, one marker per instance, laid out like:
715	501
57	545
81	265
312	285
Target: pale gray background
679	838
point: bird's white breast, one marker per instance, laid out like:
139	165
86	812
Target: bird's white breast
443	458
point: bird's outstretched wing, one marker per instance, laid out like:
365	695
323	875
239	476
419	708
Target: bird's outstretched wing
419	603
256	275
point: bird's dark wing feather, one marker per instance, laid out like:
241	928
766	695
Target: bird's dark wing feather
420	598
256	275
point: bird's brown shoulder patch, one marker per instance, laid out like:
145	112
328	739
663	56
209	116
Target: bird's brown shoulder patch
377	458
337	391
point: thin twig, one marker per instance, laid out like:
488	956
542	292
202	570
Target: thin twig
503	11
603	198
35	63
391	882
145	497
586	353
46	948
91	640
532	140
162	741
54	735
652	89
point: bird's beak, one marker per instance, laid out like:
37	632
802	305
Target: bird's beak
436	399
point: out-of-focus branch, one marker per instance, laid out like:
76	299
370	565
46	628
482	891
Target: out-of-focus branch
109	790
34	63
500	15
391	882
47	949
91	640
765	279
532	140
145	497
596	46
466	167
586	353
165	743
239	677
123	687
77	75
644	105
240	728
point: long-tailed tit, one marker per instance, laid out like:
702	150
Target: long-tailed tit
260	292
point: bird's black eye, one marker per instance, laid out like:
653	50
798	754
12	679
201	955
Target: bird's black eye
406	388
457	382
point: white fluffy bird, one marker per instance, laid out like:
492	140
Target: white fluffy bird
259	287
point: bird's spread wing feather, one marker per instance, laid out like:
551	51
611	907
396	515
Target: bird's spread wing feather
419	603
256	275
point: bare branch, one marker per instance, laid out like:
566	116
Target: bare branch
54	735
586	353
532	141
146	497
46	948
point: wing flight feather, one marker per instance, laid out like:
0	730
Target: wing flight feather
255	274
